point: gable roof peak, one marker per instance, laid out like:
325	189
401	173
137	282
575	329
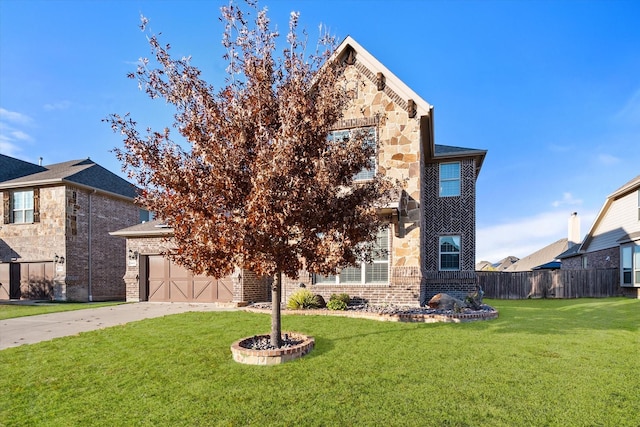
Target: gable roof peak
358	55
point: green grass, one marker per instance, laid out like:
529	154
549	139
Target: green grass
9	311
543	362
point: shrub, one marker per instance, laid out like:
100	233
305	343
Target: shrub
340	297
336	304
302	299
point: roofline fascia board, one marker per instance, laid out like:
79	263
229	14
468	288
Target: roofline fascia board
49	182
143	233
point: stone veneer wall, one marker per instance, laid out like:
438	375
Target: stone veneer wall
398	158
39	241
63	230
399	153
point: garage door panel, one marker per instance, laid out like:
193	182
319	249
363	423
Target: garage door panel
225	289
181	290
170	282
158	290
203	289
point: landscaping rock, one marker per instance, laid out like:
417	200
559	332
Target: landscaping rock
445	302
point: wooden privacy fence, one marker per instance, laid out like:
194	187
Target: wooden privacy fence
550	283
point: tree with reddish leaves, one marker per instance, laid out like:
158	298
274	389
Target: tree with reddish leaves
255	181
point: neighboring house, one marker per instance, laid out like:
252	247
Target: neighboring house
614	239
498	266
547	257
54	235
429	245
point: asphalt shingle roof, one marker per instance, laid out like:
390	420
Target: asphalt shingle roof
82	172
11	168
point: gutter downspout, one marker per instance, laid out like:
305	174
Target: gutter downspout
90	258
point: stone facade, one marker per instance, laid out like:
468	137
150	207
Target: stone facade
74	224
422	216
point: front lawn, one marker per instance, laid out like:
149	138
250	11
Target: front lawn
543	362
11	310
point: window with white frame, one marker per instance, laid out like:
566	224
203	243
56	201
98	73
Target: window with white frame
449	248
376	271
369	141
22	207
630	263
638	205
450	179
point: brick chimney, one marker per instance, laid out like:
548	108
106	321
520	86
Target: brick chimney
574	229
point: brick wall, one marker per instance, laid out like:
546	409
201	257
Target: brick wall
449	215
403	288
95	259
605	258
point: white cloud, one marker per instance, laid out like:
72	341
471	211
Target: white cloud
524	236
13	117
607	159
567	200
61	105
12	138
8	148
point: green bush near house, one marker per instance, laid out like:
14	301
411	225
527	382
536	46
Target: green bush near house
340	297
336	304
541	363
303	299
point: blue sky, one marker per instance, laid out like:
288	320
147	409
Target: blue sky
550	89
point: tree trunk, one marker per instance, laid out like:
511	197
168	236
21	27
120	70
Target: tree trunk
276	290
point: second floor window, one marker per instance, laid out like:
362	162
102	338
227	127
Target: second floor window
450	179
369	141
449	253
22	207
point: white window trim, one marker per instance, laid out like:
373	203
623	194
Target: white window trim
363	273
634	247
23	210
440	253
441	180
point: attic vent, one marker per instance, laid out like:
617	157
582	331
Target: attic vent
380	81
411	108
350	56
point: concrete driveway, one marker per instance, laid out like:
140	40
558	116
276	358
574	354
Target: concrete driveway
44	327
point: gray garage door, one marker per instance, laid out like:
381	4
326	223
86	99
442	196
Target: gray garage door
169	282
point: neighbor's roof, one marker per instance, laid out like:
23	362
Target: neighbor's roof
543	256
12	168
155	228
83	173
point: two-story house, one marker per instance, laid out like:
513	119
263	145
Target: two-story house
54	235
429	244
613	241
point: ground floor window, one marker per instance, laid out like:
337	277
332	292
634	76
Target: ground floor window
376	271
630	260
449	253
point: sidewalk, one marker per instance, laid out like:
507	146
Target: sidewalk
44	327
